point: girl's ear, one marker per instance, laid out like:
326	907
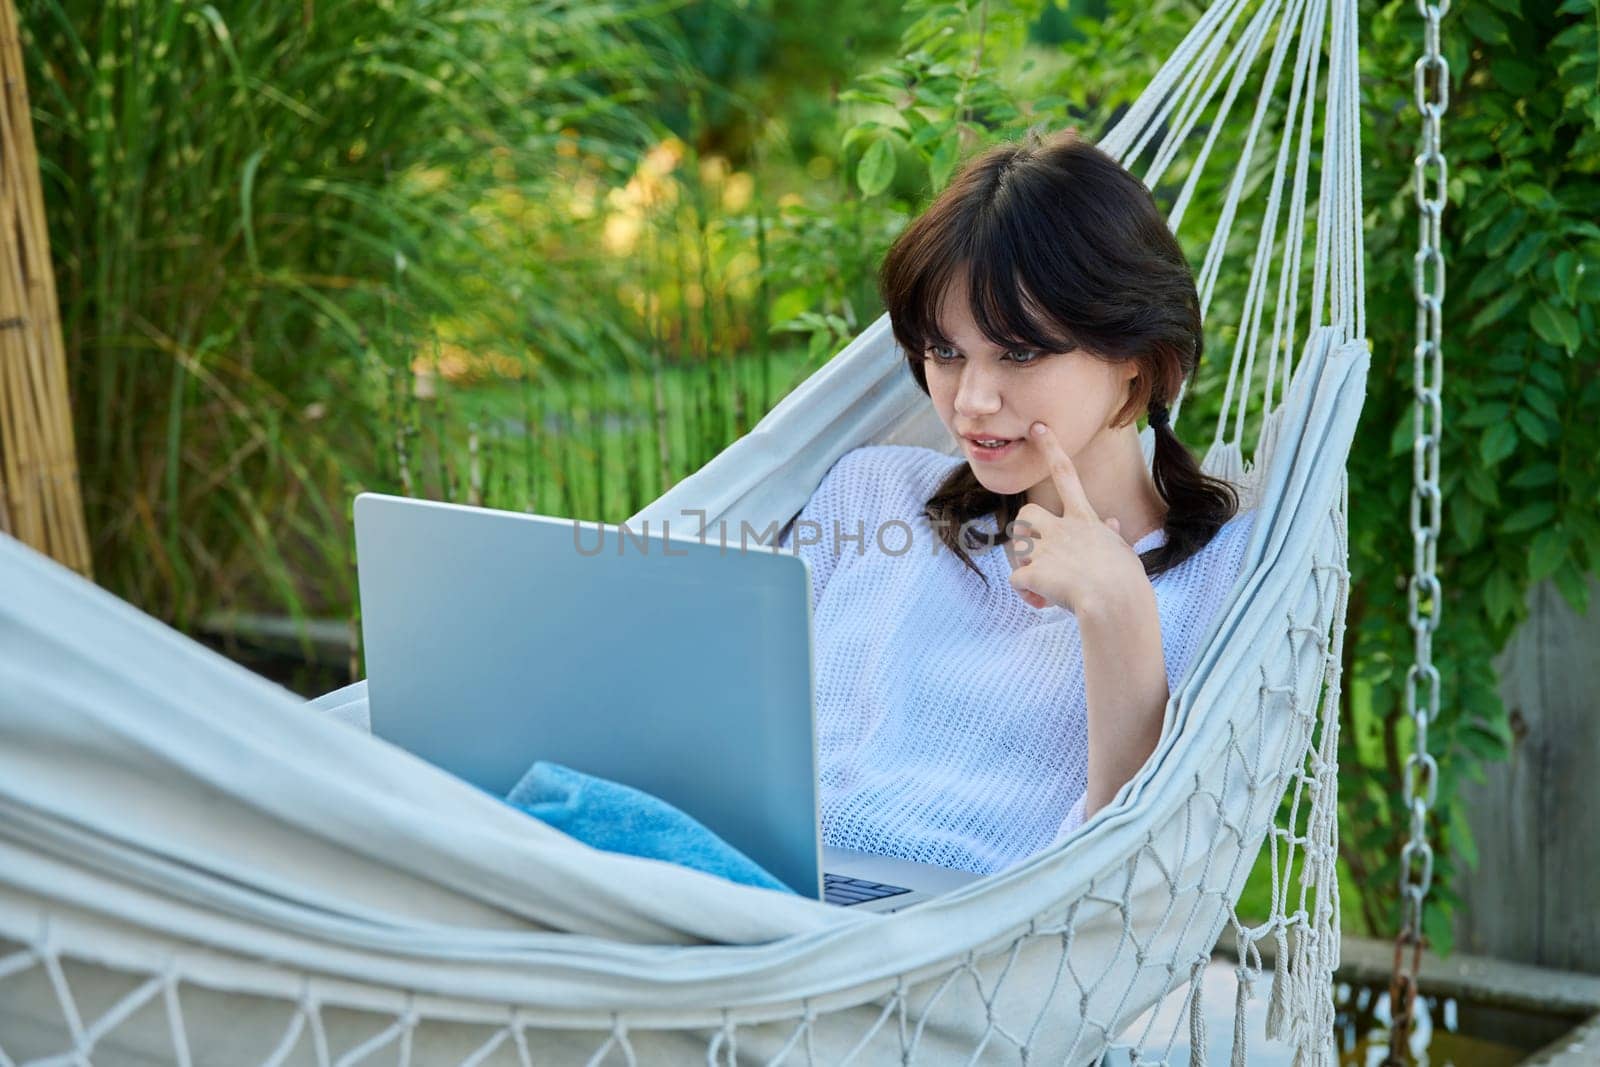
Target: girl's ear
1133	398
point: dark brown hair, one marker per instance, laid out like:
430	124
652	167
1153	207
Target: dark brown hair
1060	249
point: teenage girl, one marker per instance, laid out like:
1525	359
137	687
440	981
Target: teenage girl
997	633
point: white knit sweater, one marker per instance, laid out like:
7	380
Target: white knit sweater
951	716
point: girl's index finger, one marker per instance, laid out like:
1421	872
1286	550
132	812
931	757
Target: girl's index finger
1063	473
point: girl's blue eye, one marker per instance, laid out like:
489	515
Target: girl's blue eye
1022	357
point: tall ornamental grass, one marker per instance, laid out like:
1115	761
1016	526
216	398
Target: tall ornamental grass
258	214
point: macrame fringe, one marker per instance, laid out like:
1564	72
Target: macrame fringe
1299	1012
1241	996
1278	1017
1197	1014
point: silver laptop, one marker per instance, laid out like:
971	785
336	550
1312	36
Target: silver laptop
677	665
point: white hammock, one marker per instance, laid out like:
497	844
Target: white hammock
197	868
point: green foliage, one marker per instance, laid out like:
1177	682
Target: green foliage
771	78
941	95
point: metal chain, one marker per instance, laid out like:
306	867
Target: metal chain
1431	81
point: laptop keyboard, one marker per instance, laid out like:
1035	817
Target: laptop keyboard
837	889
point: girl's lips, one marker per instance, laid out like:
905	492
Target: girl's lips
990	454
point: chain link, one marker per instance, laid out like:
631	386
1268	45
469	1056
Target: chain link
1424	602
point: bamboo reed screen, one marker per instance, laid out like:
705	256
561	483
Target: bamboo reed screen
39	499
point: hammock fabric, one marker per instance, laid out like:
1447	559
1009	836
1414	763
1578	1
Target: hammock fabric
195	867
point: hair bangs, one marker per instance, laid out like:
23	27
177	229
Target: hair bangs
916	274
929	260
1002	301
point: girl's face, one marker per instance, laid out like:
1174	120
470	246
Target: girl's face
984	391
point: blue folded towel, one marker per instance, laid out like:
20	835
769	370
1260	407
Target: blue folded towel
618	818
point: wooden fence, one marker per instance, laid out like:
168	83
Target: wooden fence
1535	894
